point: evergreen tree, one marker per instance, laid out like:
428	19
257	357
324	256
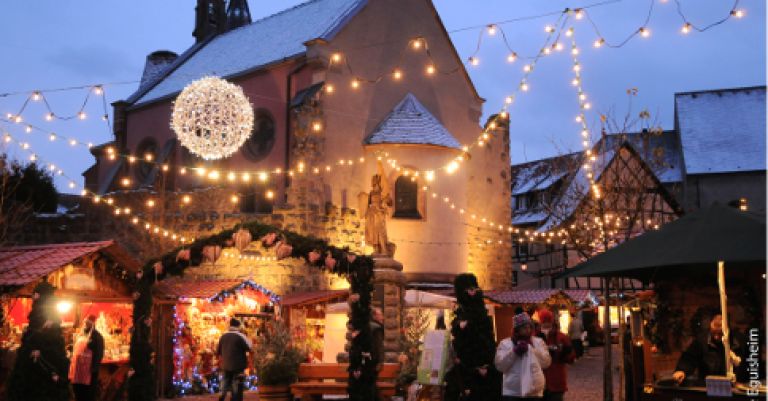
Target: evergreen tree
473	375
41	366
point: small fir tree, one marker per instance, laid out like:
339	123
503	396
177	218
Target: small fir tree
42	367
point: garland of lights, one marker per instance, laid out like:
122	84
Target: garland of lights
212	118
316	252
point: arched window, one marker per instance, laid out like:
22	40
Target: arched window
406	198
262	138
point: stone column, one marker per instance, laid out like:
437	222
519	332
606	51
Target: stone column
389	295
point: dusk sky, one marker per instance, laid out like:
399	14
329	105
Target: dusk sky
50	44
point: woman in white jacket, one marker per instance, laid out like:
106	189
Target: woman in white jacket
521	359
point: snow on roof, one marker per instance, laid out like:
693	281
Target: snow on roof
539	175
660	151
411	123
722	131
274	38
525	218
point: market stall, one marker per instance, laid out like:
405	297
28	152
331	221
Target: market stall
311	323
200	311
560	302
695	264
90	279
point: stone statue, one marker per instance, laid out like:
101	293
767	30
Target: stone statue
376	210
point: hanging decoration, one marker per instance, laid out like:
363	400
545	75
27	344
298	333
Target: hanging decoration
212	118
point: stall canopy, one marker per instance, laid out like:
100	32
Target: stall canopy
424	299
700	239
21	266
313	297
537	297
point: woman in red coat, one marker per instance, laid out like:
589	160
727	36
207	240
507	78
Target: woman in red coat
561	351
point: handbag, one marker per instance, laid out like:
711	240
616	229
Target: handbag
82	361
532	376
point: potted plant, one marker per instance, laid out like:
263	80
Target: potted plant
276	361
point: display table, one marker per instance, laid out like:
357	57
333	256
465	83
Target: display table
667	391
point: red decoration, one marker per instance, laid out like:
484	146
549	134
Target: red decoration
211	253
268	240
242	238
183	255
313	256
283	250
330	262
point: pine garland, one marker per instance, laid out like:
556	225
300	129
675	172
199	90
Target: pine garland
315	251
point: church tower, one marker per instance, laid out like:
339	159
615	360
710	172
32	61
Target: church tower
210	19
238	14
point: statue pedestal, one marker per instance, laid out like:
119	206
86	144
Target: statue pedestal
389	295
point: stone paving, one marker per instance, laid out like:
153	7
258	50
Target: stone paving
585	377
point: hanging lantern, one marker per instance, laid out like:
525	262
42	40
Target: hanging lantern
211	253
283	250
242	238
212	118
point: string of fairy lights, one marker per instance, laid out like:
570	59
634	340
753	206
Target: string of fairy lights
337	58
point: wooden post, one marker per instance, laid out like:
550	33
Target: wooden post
607	362
724	311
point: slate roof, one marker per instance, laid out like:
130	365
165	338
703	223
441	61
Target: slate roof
269	40
22	265
661	151
411	123
722	131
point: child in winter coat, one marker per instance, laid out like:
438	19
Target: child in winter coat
561	351
522	359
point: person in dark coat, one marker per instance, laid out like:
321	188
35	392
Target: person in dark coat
87	392
705	358
377	350
232	349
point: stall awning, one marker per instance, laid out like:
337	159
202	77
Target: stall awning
22	265
313	297
539	296
176	287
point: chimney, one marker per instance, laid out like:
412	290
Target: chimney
156	63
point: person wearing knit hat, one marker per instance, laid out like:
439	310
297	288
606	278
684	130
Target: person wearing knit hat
231	350
561	353
521	359
84	368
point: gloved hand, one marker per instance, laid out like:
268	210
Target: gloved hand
521	348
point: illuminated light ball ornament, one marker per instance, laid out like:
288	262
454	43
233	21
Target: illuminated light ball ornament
212	118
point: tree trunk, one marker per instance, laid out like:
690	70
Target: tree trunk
607	365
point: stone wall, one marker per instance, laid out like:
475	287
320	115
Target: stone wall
208	212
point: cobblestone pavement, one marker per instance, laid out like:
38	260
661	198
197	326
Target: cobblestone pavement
585	377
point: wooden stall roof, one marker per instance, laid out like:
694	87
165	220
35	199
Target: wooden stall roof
538	296
22	265
312	297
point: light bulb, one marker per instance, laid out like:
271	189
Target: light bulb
397	74
474	61
52	137
270	194
579	14
569	32
186	199
491	30
72	142
686	28
512	57
430	69
329	88
527	68
644	32
549	29
336	57
36	96
524	86
738	13
355	83
81	115
599	43
98	90
28	129
416	44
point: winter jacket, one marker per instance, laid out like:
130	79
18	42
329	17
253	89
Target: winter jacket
231	349
511	365
556	374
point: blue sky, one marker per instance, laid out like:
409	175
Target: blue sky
53	44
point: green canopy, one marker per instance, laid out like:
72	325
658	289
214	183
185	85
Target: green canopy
700	239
